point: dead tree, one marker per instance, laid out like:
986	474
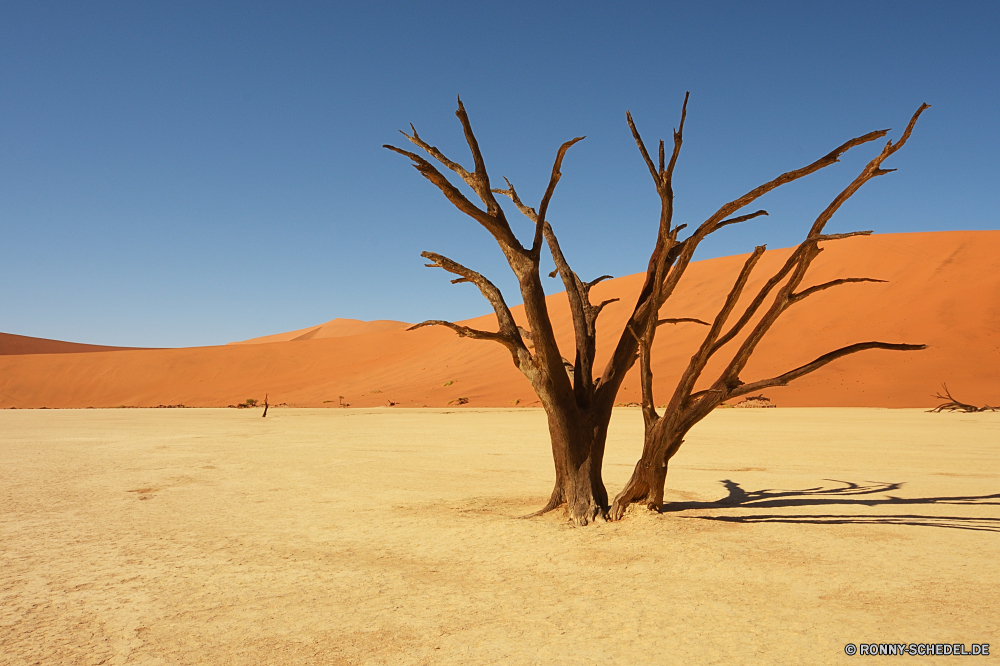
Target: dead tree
952	405
577	404
664	434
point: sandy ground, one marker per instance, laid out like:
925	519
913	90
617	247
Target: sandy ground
382	536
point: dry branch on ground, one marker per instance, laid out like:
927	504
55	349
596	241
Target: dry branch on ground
952	405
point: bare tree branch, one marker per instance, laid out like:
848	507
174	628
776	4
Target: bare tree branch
600	306
809	251
681	320
510	192
711	224
796	297
508	328
679	255
782	380
440	157
666	175
697	395
690	244
526	336
829	237
953	405
578	408
909	127
581	311
584	313
718	220
741	218
428	171
466	332
536	245
496	224
482	180
872	170
700	359
539	217
759	299
642	149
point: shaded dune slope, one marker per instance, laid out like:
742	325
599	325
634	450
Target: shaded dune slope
942	289
11	344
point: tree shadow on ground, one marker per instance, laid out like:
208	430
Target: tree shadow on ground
848	495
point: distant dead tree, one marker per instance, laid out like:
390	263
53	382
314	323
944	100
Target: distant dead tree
264	415
952	405
577	405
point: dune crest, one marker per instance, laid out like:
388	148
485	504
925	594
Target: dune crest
335	328
942	290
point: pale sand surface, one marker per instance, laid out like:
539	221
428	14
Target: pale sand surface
388	537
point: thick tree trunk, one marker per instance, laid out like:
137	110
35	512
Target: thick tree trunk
600	431
650	474
578	451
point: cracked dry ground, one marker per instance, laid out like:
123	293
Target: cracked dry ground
389	537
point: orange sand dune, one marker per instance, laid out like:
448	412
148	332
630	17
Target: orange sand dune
336	328
942	289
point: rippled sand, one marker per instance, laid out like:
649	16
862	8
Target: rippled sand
390	537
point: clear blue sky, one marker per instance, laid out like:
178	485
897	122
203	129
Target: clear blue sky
178	174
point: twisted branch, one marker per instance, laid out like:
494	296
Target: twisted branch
536	244
812	366
509	332
796	297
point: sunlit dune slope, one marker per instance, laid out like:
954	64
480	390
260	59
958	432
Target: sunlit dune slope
336	328
942	289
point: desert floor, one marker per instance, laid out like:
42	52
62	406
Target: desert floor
382	536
